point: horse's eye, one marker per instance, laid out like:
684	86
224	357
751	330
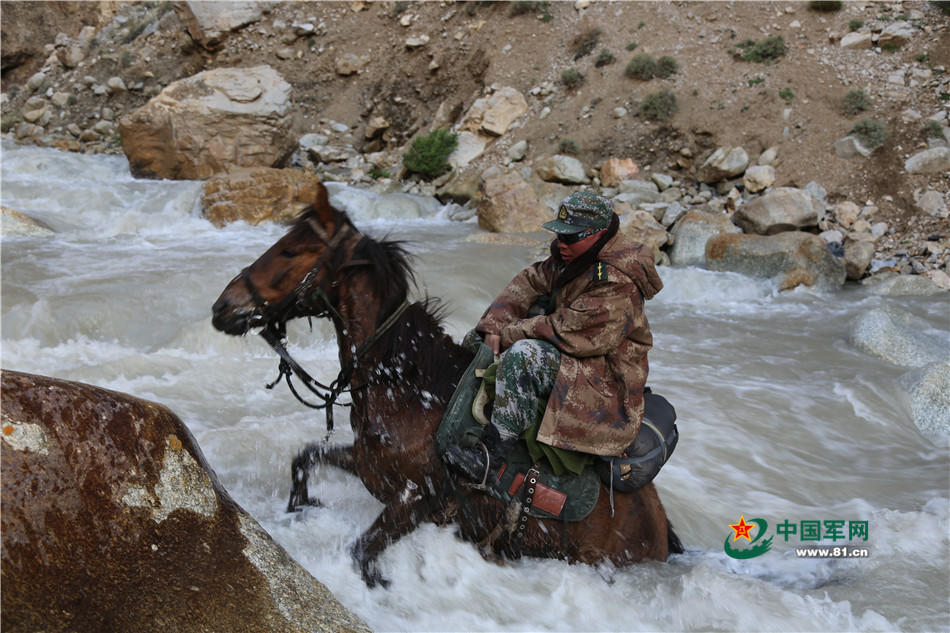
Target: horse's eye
288	254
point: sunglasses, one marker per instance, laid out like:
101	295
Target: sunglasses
574	238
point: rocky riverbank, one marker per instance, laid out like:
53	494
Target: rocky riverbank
190	90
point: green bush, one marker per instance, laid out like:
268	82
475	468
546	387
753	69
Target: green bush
428	155
666	66
933	129
605	57
585	43
856	101
572	78
871	133
642	66
521	7
659	106
567	146
943	5
378	172
826	5
854	25
786	94
765	50
632	46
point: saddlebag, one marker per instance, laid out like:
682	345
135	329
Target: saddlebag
644	458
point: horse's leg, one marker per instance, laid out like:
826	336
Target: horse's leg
397	519
313	454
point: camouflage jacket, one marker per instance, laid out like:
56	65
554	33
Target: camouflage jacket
599	325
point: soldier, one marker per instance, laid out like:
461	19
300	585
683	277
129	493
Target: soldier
584	352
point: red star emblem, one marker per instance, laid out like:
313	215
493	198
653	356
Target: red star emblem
742	529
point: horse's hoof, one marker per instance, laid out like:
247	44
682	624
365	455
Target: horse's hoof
369	570
296	505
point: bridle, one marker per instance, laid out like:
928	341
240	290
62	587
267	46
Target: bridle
316	300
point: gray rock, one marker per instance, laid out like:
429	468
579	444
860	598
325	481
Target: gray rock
905	285
561	168
518	151
790	259
929	391
116	85
896	336
18	223
932	203
857	40
663	181
929	161
691	233
896	34
209	23
857	258
724	163
850	147
781	209
674	211
758	177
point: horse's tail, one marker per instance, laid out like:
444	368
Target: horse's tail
675	546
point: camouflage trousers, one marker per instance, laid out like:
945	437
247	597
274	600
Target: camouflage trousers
525	377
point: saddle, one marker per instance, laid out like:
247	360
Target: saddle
567	497
563	488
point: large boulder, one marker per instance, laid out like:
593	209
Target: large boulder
258	194
724	163
616	170
897	336
495	113
209	23
509	204
198	126
561	168
930	161
113	521
929	391
894	285
781	209
791	259
642	226
692	232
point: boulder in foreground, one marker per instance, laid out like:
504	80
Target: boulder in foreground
113	521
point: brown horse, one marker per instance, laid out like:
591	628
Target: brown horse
402	369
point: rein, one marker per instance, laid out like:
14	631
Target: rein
275	333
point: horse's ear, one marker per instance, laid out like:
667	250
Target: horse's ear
321	199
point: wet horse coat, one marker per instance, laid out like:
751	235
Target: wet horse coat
400	385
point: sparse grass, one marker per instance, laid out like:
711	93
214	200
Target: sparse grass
943	5
377	172
854	25
890	47
521	7
632	46
126	59
572	78
786	94
584	43
856	101
658	106
870	132
428	155
9	120
933	129
764	50
755	81
604	58
922	58
641	67
666	66
826	6
567	146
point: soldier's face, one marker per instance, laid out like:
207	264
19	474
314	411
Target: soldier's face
569	252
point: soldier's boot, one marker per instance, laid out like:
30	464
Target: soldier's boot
476	462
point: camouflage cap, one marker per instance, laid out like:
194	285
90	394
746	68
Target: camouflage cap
581	211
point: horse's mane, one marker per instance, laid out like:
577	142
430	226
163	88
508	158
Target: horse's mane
427	356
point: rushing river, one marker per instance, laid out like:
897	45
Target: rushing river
780	418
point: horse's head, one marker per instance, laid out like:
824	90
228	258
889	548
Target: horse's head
293	277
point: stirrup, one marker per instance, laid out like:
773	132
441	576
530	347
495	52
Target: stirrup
454	456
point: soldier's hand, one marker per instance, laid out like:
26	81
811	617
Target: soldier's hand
493	341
